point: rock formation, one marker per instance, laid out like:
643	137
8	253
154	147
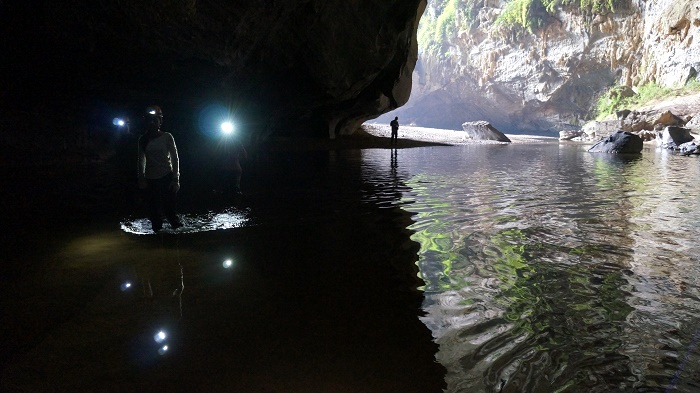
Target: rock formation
673	137
620	142
311	67
484	131
545	78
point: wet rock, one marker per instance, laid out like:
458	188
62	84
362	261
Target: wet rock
673	137
483	130
620	142
689	148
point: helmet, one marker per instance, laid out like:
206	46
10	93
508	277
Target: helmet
154	110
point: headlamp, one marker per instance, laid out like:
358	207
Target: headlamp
227	127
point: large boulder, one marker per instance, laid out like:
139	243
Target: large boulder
673	137
483	131
620	142
694	124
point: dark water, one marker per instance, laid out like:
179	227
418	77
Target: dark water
521	268
303	285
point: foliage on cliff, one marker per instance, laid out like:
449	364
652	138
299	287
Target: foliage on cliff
436	30
614	99
532	14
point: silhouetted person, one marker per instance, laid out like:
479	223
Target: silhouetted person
394	130
234	152
159	171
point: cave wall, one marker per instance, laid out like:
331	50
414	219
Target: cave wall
297	67
548	79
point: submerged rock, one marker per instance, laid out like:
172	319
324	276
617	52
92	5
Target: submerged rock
484	131
620	142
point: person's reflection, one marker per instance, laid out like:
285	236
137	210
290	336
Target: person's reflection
395	183
162	284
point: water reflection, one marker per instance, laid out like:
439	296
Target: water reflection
227	219
548	268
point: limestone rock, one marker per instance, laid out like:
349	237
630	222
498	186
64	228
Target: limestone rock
667	119
620	142
689	148
694	124
673	137
534	81
483	130
568	135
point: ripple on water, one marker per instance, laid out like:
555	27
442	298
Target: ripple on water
550	269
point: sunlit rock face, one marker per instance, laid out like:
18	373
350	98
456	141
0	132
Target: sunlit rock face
304	66
548	79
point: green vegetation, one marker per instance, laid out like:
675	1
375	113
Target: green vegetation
614	99
435	31
529	15
439	27
521	14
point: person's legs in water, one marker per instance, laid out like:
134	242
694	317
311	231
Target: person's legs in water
153	204
169	199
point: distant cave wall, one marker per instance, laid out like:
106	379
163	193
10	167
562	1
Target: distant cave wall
303	67
548	78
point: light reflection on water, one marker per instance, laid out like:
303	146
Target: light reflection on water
227	219
548	268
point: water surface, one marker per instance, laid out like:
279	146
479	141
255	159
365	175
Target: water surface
550	269
489	268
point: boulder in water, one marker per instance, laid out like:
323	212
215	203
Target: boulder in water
620	142
483	131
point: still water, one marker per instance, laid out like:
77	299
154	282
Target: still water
550	269
481	268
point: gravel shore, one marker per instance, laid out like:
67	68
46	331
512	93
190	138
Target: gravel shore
378	136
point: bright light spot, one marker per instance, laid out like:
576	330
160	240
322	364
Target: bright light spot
126	286
152	112
228	263
160	336
227	127
162	350
118	122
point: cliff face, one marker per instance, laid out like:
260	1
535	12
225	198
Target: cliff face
303	66
547	79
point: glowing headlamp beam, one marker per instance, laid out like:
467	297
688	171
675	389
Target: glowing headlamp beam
227	127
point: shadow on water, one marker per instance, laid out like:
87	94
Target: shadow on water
306	284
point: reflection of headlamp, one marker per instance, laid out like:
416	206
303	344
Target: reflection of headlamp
118	122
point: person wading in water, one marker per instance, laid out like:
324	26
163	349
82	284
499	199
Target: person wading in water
159	171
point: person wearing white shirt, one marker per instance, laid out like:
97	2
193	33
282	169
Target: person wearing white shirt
159	171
